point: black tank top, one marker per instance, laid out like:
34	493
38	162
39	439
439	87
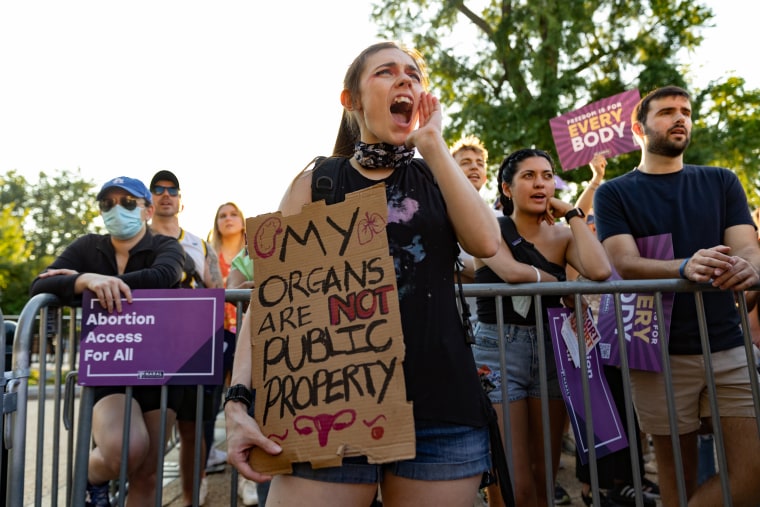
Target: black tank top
440	373
525	252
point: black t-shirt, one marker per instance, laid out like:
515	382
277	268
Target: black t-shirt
694	206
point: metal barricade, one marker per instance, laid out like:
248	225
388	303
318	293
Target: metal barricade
11	406
38	443
47	465
617	288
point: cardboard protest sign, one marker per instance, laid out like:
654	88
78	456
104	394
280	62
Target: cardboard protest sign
326	336
642	329
602	126
165	336
609	435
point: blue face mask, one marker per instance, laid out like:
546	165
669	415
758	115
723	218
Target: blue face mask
122	223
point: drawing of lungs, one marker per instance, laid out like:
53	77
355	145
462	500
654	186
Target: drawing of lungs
369	226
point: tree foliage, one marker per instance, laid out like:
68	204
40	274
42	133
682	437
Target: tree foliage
15	266
13	246
37	221
503	68
62	209
727	131
58	207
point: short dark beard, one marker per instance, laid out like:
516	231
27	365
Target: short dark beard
660	145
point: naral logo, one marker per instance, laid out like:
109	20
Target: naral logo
150	374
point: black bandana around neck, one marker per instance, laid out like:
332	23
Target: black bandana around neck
381	155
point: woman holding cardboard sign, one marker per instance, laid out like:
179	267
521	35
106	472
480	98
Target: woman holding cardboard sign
534	250
432	206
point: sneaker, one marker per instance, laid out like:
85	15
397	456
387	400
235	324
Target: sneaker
603	499
625	494
561	497
216	457
247	491
97	495
216	461
203	491
650	488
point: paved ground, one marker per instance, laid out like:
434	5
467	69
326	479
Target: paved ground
218	483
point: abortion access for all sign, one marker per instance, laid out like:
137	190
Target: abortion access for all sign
327	344
164	336
599	127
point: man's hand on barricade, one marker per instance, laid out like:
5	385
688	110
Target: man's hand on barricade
108	289
708	264
741	276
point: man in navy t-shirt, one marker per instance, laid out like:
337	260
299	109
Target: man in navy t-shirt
705	211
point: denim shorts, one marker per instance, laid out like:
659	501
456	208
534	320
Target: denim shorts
444	452
521	354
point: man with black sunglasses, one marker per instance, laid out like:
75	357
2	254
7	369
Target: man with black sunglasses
201	270
111	266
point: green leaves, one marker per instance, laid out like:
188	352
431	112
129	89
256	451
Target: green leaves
503	68
37	221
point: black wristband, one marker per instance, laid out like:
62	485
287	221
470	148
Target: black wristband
575	212
240	393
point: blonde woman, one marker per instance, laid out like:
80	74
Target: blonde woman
228	239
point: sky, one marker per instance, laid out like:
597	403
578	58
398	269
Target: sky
234	96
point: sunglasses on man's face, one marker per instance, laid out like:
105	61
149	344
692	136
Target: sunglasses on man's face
127	202
159	190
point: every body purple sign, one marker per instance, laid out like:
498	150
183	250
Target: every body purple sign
165	336
602	126
643	333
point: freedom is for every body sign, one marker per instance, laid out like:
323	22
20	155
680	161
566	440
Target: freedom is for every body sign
599	127
327	344
165	336
643	334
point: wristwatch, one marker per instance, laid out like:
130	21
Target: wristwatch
575	212
240	393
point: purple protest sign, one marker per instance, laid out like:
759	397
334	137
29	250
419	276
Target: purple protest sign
609	435
602	126
642	329
165	336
